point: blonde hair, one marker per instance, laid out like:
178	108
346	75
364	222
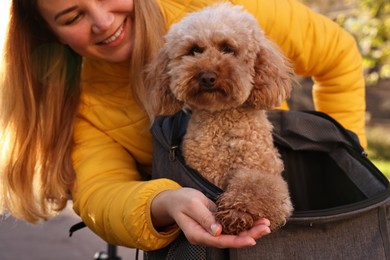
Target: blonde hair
149	33
40	90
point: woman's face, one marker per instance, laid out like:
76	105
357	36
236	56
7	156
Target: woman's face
98	29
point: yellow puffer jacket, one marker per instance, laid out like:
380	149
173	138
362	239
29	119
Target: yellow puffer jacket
112	139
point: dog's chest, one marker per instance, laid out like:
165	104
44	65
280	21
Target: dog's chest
213	145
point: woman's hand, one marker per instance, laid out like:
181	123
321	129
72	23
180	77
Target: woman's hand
193	213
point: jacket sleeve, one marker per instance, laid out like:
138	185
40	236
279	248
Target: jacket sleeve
110	196
319	48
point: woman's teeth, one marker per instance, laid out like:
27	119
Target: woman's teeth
114	36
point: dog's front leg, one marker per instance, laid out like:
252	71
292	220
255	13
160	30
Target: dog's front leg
250	195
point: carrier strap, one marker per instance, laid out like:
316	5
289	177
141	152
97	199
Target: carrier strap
316	131
76	227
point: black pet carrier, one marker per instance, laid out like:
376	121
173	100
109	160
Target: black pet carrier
341	200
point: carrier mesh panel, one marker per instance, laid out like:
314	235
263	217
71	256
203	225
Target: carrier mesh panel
180	249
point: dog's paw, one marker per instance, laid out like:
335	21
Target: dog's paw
237	213
279	215
276	210
234	221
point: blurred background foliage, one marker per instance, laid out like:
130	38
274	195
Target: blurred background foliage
369	22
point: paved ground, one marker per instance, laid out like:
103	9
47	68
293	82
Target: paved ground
50	240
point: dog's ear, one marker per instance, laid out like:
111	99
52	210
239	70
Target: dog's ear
272	79
161	101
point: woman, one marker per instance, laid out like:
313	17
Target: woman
73	121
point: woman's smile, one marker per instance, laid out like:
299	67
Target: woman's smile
116	38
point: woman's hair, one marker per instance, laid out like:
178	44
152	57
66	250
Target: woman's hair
39	96
149	31
40	91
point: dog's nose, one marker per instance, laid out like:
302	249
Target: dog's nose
208	79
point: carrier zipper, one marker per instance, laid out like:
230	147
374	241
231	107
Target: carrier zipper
363	158
210	190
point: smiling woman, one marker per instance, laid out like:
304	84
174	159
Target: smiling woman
73	101
93	29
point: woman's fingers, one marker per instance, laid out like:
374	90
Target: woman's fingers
215	229
198	235
173	205
200	210
194	214
260	228
199	226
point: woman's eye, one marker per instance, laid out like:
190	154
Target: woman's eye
194	50
73	19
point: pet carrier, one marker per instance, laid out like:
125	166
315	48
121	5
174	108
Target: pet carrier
341	200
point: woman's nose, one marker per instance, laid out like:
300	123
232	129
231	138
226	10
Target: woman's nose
101	21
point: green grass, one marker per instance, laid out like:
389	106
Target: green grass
379	147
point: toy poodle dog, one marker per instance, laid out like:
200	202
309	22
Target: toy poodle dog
218	63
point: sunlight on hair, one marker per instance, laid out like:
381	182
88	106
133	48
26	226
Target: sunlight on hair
4	144
4	154
4	5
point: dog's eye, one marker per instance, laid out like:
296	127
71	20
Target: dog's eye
194	50
226	48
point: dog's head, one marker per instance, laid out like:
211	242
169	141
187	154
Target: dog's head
215	59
